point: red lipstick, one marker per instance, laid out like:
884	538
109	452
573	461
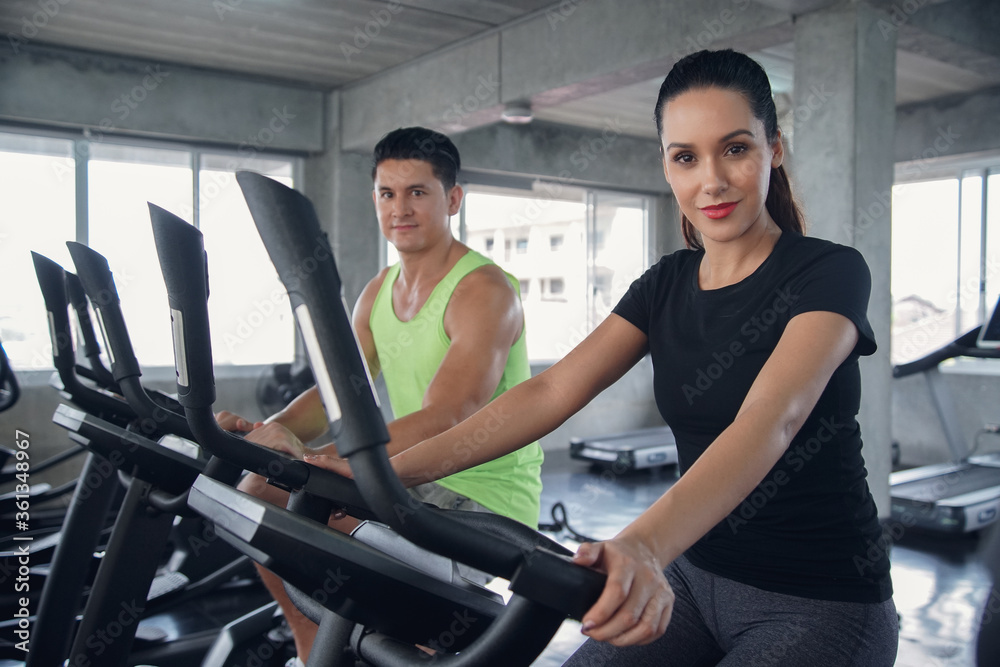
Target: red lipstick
719	211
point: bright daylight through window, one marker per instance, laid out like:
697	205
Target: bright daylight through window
39	178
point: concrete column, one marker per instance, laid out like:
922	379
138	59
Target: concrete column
339	185
843	139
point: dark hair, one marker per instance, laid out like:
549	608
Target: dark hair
738	72
419	143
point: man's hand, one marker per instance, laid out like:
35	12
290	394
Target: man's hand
330	462
231	422
637	601
277	437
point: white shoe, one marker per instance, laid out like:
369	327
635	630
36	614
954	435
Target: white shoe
294	662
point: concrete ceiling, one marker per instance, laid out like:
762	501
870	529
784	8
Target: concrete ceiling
323	43
327	44
919	78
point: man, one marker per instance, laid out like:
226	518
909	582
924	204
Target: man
445	328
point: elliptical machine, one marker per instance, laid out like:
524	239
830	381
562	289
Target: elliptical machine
393	605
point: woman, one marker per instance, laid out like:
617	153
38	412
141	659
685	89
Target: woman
754	334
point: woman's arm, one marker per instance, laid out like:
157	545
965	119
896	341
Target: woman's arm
530	410
631	610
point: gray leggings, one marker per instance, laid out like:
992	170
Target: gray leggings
718	621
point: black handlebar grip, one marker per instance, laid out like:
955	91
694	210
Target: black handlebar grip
52	281
94	273
181	250
78	297
301	253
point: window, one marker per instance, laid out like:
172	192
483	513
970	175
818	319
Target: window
945	259
556	286
39	176
121	180
578	286
38	190
553	327
252	319
581	248
618	257
991	225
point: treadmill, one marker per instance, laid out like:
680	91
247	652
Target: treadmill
631	450
963	495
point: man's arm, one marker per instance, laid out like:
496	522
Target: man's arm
361	320
483	320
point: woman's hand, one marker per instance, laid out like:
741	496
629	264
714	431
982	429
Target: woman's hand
334	463
277	437
637	601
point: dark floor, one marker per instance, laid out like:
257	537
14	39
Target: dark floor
940	586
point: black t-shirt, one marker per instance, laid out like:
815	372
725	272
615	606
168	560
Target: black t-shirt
810	528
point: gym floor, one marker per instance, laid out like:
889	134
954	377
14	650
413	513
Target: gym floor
940	586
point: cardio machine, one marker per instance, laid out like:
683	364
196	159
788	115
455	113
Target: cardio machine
963	495
631	450
546	587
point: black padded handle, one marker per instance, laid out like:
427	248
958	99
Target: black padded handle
10	391
78	297
96	370
181	246
52	282
98	282
301	253
181	249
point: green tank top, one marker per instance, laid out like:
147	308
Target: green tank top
409	354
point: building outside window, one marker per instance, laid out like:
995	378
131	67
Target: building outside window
555	238
555	287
